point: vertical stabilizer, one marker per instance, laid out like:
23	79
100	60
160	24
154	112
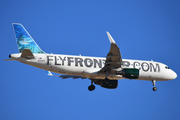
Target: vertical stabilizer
24	39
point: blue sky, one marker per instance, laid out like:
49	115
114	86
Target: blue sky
143	29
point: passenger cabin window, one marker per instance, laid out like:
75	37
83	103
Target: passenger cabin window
167	67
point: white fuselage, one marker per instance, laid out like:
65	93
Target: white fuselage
89	66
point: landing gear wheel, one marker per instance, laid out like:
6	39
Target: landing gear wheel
91	87
154	88
154	83
106	81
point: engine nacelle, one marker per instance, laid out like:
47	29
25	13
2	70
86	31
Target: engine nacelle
110	84
130	73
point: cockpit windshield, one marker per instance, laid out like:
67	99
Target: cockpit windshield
167	67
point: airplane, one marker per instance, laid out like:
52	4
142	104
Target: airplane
101	71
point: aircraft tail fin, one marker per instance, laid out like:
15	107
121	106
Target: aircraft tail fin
24	39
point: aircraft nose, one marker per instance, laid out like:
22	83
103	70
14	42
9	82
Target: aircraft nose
173	75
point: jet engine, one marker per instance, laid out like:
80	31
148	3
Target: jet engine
130	73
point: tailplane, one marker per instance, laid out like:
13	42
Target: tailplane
24	39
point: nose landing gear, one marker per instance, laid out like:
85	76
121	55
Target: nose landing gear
154	83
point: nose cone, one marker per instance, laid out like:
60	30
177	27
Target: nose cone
174	75
171	75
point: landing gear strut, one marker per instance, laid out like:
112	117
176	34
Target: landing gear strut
154	83
91	87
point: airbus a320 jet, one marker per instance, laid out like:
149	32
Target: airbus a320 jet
101	71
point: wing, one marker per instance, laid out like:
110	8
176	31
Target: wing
71	76
65	76
113	58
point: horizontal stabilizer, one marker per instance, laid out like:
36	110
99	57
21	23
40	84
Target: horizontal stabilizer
9	60
27	54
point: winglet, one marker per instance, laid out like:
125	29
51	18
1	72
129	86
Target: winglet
110	38
49	73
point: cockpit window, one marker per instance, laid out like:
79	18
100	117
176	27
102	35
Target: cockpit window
167	67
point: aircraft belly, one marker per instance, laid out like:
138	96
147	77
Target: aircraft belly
69	70
151	76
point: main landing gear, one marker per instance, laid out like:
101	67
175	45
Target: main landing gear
91	87
154	83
